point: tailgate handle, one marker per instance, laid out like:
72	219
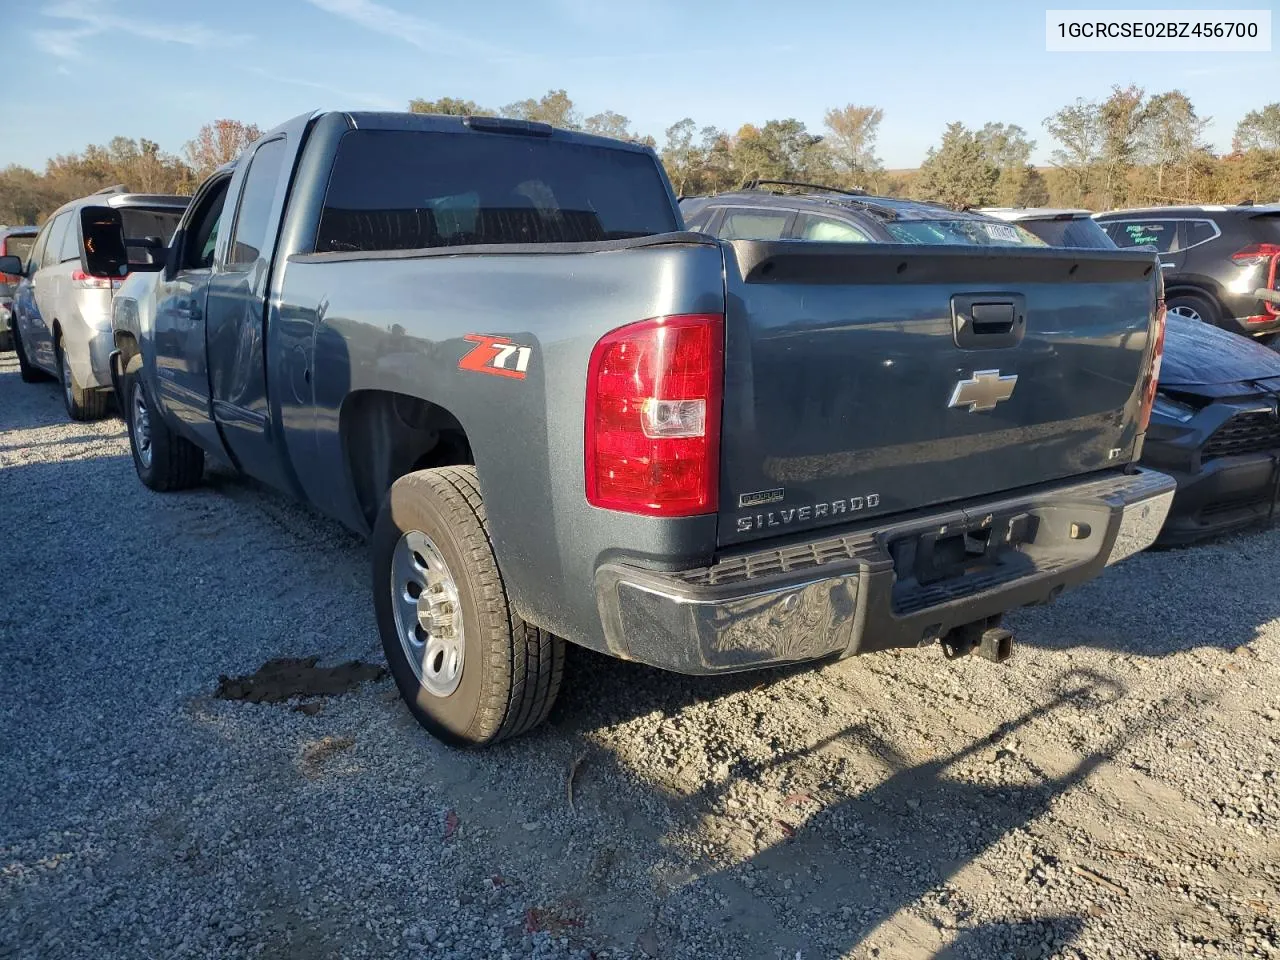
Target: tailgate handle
989	318
986	321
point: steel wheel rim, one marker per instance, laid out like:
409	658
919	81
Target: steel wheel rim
424	597
140	421
1187	313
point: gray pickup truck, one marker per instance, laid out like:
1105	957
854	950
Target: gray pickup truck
491	346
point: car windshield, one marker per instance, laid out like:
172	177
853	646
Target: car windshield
1079	232
985	233
19	246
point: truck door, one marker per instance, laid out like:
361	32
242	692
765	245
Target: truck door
181	374
237	312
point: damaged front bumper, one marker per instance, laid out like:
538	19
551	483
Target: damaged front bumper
881	587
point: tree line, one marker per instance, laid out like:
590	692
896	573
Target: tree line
1129	148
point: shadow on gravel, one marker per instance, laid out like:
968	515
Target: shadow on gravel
937	818
993	939
1206	596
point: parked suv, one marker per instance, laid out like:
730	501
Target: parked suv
1213	259
843	216
62	313
14	242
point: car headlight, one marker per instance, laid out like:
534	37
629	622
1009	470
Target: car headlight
1167	407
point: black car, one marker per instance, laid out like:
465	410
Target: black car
1216	430
14	242
1213	259
841	216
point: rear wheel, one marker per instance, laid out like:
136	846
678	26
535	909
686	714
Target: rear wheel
164	460
1192	306
470	670
28	372
81	403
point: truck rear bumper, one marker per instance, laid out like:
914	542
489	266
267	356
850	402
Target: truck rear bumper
835	596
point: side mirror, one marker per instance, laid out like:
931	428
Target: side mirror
104	245
13	266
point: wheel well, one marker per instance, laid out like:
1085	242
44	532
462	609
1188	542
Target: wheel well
386	435
127	344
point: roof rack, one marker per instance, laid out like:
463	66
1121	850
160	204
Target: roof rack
757	183
115	188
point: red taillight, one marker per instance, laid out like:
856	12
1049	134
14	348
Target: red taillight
653	416
1256	253
1152	382
86	281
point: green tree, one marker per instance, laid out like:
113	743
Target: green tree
781	150
554	108
449	107
958	172
1259	130
1007	148
608	124
852	142
1078	129
1173	147
1121	119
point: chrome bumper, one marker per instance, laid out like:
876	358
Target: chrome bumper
836	596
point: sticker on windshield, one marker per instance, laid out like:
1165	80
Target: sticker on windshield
497	356
1002	232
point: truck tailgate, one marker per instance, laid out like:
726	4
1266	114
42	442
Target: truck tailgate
882	379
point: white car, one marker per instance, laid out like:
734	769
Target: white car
1056	227
62	314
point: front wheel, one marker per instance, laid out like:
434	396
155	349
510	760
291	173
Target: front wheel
471	671
164	460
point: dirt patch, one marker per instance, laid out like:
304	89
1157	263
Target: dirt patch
292	678
315	754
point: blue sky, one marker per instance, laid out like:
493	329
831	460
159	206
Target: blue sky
82	71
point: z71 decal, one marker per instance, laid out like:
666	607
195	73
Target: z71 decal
496	355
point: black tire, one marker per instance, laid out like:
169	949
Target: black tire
1202	307
175	463
511	670
26	370
6	341
81	403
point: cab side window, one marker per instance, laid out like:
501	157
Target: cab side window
202	232
257	197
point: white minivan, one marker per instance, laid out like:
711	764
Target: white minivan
62	314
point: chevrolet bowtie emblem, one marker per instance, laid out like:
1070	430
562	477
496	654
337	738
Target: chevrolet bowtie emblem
983	390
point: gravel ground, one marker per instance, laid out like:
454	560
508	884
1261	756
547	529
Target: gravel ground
1112	792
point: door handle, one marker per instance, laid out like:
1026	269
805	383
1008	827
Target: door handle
988	321
1167	266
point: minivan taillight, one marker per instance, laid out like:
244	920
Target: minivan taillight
653	416
87	281
1152	383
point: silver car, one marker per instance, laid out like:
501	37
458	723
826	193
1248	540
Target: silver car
62	314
